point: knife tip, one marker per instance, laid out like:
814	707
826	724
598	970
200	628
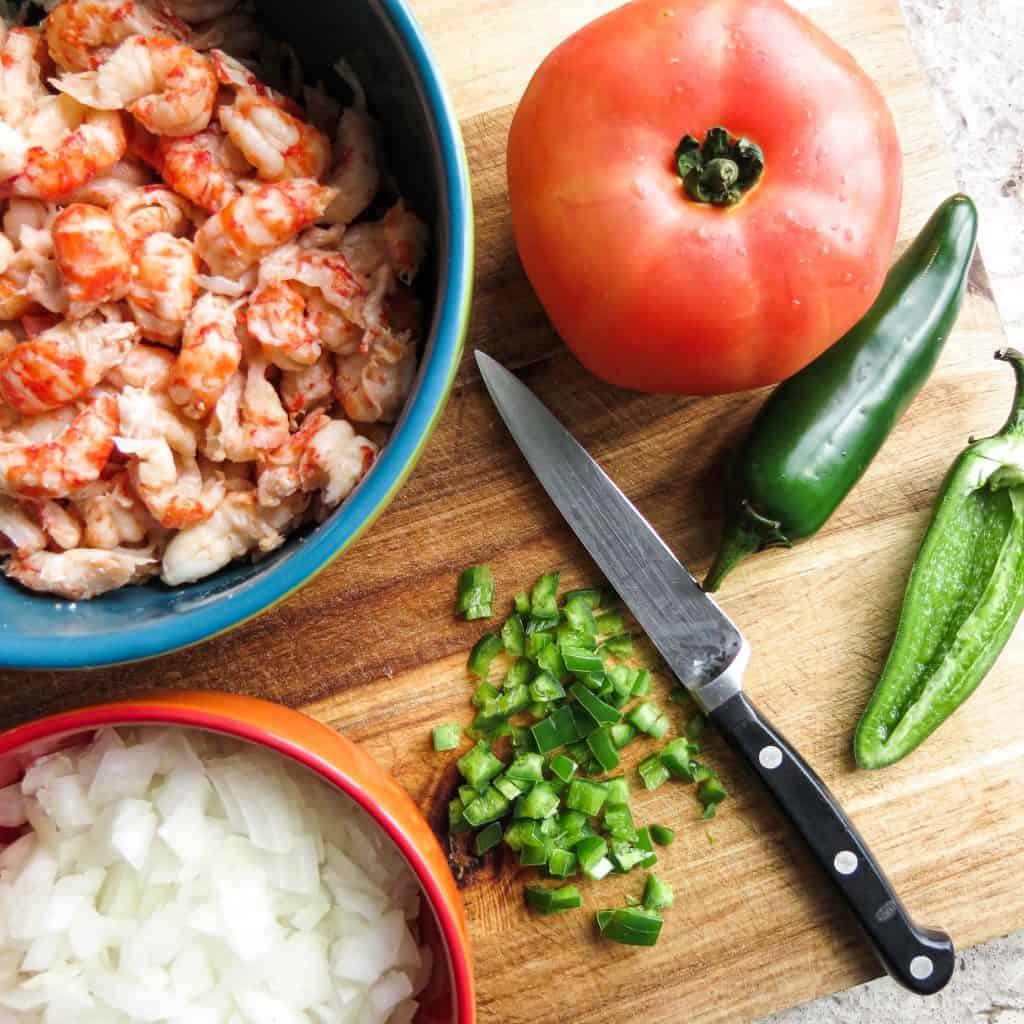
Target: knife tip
484	361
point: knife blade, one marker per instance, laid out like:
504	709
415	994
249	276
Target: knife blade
708	654
701	645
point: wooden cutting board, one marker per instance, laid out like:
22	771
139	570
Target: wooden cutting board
372	648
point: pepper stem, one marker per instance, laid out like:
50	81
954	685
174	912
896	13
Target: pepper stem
1015	421
737	544
721	170
746	533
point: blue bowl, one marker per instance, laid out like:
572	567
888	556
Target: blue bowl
424	152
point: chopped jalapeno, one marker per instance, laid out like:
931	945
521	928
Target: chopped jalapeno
621	645
572	823
561	863
643	841
630	926
550	660
642	683
599	711
644	715
580	753
581	660
609	623
583	720
623	733
558	729
478	766
536	642
510	788
595	682
590	851
626	856
476	593
447	737
677	757
563	767
489	724
591	598
653	772
540	802
621	679
487	838
658	893
659	728
528	767
603	749
542	900
618	789
543	597
618	821
535	625
510	701
522	739
487	807
513	635
456	820
485	650
617	700
534	855
573	639
556	818
710	793
483	693
662	835
545	687
520	834
588	797
520	673
549	826
579	616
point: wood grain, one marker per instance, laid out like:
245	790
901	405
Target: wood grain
372	648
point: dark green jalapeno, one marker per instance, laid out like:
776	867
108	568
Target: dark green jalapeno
818	432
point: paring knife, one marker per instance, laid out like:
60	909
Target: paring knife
709	655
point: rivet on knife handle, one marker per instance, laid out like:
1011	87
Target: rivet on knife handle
920	958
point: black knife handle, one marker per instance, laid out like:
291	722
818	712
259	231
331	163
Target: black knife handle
922	959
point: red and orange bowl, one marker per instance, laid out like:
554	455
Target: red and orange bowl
449	998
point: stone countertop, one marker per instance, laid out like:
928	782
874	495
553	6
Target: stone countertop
973	52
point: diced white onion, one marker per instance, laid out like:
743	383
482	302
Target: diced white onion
172	876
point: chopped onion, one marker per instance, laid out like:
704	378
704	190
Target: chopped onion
172	876
125	771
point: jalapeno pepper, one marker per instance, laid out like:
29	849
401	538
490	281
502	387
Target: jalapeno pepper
964	597
819	431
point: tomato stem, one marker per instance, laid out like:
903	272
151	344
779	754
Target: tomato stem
721	170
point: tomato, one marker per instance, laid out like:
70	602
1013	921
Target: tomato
655	290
